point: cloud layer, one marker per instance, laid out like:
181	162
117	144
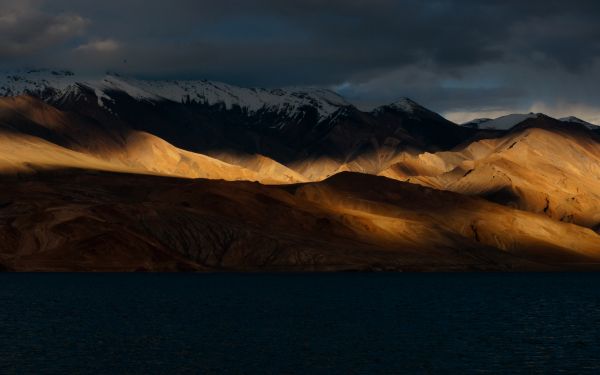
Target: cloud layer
458	57
25	30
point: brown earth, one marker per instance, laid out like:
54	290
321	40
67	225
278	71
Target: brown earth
97	221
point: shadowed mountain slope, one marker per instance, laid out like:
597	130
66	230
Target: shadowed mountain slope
36	135
96	221
293	126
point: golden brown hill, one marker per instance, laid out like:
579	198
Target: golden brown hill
551	170
262	165
35	135
86	221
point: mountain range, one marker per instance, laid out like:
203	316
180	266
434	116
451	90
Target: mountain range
115	173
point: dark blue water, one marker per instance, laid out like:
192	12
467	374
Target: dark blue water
299	324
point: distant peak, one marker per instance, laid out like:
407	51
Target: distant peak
405	104
577	120
477	121
505	122
574	119
571	118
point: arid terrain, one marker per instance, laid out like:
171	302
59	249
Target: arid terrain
103	178
78	220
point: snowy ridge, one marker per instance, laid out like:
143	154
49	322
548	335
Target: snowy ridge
577	120
288	101
475	123
502	123
509	121
35	81
405	104
410	108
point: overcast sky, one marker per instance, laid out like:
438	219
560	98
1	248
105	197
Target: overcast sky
465	59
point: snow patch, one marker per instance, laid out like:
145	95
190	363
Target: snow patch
101	97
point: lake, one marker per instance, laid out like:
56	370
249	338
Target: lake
347	323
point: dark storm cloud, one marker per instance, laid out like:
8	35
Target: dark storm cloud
468	54
25	30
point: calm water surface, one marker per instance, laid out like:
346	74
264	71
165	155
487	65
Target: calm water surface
299	324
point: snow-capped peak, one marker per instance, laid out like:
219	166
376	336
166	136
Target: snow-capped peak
476	122
287	101
503	122
34	81
405	104
577	120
